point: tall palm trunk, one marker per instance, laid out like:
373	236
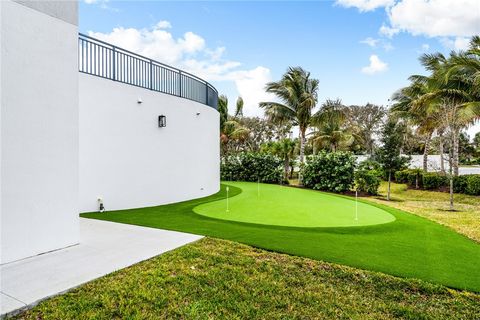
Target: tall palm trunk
425	152
286	167
440	148
450	170
302	144
302	154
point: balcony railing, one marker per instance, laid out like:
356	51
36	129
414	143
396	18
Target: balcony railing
104	60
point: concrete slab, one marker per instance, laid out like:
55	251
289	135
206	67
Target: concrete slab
105	247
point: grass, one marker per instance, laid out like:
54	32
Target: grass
434	206
279	206
411	246
218	279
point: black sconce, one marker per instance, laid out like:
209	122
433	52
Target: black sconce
162	121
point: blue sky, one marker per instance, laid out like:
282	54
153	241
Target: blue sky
239	46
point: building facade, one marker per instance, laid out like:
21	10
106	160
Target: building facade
84	123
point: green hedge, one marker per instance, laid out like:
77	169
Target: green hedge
252	167
460	184
402	176
468	184
473	184
329	171
368	181
433	181
410	176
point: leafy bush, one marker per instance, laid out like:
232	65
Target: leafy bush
370	164
432	181
329	171
415	177
368	181
459	184
473	184
412	177
252	167
402	176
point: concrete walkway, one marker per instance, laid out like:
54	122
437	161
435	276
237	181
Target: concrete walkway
104	248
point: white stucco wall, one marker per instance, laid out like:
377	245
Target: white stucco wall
39	130
129	161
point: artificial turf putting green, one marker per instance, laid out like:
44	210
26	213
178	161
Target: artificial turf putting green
275	205
410	246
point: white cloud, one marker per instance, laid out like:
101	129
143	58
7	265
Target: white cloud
365	5
103	4
436	18
191	53
163	24
388	31
374	43
458	43
251	86
370	42
376	66
425	47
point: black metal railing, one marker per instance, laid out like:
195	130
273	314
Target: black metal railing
104	60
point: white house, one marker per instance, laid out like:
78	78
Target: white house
84	123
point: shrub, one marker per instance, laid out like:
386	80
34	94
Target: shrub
368	181
473	184
402	176
415	177
252	167
459	184
329	171
432	181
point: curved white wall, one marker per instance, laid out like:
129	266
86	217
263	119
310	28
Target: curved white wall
39	127
129	161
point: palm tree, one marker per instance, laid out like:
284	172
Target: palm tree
285	149
230	129
239	108
408	105
453	94
329	126
297	93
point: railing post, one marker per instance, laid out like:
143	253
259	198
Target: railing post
114	71
179	83
151	75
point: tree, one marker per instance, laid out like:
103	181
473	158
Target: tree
239	108
297	93
223	110
330	131
410	105
388	154
366	121
284	149
230	130
261	131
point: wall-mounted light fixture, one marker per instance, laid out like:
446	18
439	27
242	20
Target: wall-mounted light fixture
162	121
139	100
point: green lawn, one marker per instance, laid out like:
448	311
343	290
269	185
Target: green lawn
410	246
293	207
218	279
